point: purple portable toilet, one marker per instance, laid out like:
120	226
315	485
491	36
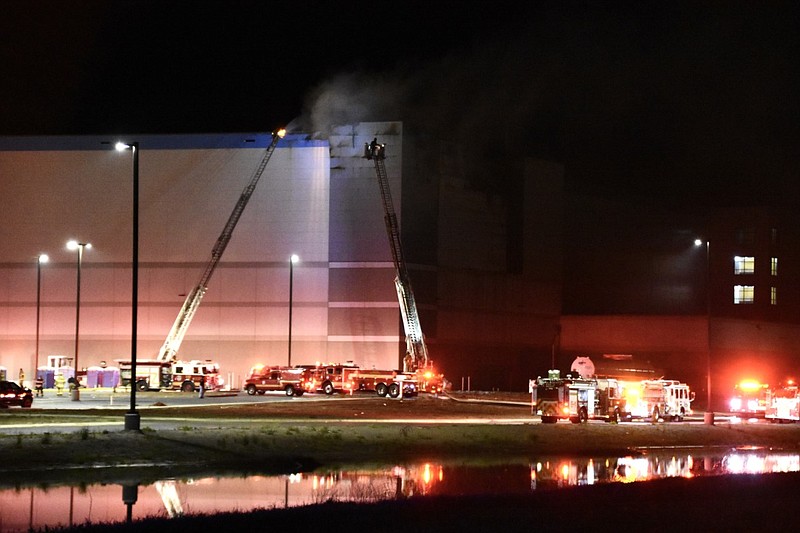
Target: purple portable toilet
110	377
48	376
94	377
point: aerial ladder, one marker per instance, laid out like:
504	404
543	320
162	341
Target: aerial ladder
171	345
416	351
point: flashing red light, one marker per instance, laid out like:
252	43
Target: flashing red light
750	385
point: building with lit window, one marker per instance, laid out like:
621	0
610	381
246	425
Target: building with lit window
639	285
509	281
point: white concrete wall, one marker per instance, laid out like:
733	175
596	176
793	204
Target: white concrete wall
51	195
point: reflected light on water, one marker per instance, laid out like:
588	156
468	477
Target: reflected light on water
25	508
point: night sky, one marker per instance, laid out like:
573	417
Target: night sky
681	101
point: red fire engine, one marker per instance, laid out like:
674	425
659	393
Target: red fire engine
290	380
750	398
390	383
349	377
783	404
329	378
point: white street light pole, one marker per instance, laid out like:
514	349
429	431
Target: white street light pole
132	417
42	259
708	416
80	246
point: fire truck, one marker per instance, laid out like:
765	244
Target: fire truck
429	380
349	378
330	378
660	399
262	378
555	398
184	376
577	399
783	404
750	398
416	358
392	383
150	374
188	376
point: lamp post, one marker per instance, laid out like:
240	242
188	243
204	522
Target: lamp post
80	247
292	260
132	417
42	259
708	416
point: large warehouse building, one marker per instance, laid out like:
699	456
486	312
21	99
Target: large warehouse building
509	280
318	199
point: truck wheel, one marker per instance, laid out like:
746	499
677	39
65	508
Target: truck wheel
327	388
251	390
299	392
575	419
549	419
394	390
187	386
141	385
381	389
289	390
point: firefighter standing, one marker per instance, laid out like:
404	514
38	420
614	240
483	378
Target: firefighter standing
202	392
39	386
60	381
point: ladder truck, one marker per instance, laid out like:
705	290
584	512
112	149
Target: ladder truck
167	355
416	359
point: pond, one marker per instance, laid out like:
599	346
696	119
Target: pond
38	507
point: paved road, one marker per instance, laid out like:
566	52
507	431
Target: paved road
108	399
78	414
149	404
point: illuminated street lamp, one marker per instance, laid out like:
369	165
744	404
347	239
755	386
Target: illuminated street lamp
292	260
132	417
708	416
79	246
42	259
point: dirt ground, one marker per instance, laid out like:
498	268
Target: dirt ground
281	437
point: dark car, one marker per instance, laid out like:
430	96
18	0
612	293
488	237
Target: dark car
13	394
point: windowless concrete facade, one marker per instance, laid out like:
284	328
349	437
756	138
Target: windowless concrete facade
319	199
57	189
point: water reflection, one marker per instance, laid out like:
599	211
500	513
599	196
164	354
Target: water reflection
27	508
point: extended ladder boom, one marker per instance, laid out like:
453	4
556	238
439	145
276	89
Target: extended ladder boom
170	348
415	341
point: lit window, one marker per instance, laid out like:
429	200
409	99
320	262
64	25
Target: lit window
773	268
773	295
744	265
743	294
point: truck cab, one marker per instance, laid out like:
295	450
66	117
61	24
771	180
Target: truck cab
262	378
330	378
571	398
